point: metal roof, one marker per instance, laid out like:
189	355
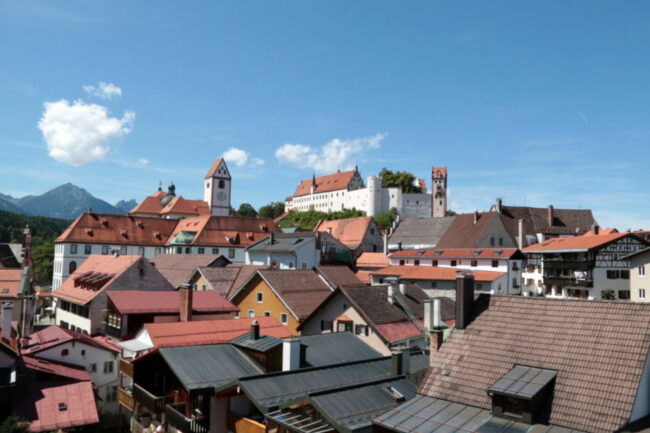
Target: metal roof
424	414
214	365
262	344
523	382
285	242
336	347
299	420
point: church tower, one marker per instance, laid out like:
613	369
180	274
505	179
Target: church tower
439	191
217	188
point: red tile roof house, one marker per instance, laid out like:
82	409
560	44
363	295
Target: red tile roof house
129	310
82	300
500	268
591	266
358	234
177	268
384	317
521	364
94	354
9	283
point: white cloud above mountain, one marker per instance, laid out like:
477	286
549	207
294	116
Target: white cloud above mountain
333	155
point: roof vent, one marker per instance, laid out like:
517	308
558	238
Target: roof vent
124	233
63	406
89	232
105	223
398	396
140	224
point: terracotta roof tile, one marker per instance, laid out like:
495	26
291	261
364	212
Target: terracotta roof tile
62	370
179	205
598	348
177	268
339	276
439	172
168	301
213	168
215	231
349	231
461	253
364	276
9	283
584	242
372	260
330	182
434	273
55	335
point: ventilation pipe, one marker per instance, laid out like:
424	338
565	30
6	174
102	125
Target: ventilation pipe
437	328
385	243
391	293
291	354
475	216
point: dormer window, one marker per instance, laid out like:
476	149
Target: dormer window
522	394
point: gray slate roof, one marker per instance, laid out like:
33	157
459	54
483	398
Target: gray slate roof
523	382
262	344
420	233
283	242
334	348
208	366
425	414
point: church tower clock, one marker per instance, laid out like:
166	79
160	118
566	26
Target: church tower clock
217	188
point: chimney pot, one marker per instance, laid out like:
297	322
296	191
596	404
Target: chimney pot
391	293
255	330
464	299
399	246
272	238
185	294
385	238
329	230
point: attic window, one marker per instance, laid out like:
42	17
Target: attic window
264	227
398	396
62	406
295	241
5	290
477	252
105	223
439	252
498	253
419	253
140	224
124	233
89	232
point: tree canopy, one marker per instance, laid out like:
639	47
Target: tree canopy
245	209
399	179
308	220
386	219
271	210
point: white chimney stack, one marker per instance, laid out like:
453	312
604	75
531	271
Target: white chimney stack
402	288
428	315
521	234
437	314
291	354
391	293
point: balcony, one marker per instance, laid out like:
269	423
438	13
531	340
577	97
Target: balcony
126	368
152	402
112	331
175	417
567	281
125	397
569	264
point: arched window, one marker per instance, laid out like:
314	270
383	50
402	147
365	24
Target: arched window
72	267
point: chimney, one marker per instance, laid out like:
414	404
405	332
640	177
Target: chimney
329	230
595	229
399	246
272	238
385	243
520	242
291	354
464	299
90	209
391	293
428	315
255	330
116	253
475	216
7	312
402	288
498	205
399	362
549	215
434	324
186	293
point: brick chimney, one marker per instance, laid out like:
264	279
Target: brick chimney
549	215
434	325
186	294
595	229
464	299
475	216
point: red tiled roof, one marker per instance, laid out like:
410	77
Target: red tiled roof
364	276
152	302
581	243
372	260
210	331
55	368
113	229
439	172
330	182
399	330
38	403
55	335
461	253
434	273
349	231
215	231
422	184
213	168
177	268
9	283
179	205
150	205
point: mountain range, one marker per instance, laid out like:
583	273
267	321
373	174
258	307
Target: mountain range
65	201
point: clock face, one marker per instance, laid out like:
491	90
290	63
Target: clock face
221	195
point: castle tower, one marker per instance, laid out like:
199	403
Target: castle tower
217	188
439	191
374	196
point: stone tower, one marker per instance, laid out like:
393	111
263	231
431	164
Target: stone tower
374	196
217	188
439	191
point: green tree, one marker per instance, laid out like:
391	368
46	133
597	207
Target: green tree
245	209
399	179
13	424
271	210
43	256
386	219
451	213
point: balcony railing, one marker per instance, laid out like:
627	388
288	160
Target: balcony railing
126	368
569	264
112	331
125	397
152	402
568	281
175	417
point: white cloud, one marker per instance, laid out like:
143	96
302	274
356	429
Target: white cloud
103	90
333	155
80	133
143	161
241	158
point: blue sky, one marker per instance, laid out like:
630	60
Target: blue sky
537	102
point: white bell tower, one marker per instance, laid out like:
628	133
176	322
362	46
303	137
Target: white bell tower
217	188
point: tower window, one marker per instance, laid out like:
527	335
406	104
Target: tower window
222	184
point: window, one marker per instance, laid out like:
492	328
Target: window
141	251
344	327
290	265
642	271
624	294
401	262
492	241
215	250
108	367
372	231
361	330
231	253
158	250
495	263
416	263
259	296
236	314
284	318
612	275
474	263
72	267
104	249
111	393
123	250
222	184
87	249
479	286
625	274
83	353
304	265
500	242
203	287
179	250
267	313
64	352
63	324
641	293
326	325
453	263
92	368
512	407
201	250
73	249
434	263
251	313
188	250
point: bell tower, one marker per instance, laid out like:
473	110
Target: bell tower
217	188
439	191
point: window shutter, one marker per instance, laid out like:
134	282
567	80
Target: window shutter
356	329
